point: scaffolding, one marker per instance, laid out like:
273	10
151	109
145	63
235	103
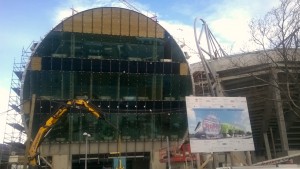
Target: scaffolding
14	133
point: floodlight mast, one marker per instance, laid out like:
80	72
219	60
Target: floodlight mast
214	52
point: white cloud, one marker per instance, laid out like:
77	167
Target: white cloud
64	10
233	30
230	22
184	35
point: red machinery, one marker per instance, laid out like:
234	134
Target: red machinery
177	155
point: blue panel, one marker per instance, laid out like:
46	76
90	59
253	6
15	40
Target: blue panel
119	163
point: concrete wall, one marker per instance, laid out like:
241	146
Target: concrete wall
61	162
62	152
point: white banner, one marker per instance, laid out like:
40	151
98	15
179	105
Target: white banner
219	124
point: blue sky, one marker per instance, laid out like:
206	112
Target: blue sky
25	21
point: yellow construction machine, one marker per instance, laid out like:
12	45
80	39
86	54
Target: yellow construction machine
50	122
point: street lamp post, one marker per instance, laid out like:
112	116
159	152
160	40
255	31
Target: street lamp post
86	147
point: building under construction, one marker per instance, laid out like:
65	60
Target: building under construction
271	86
126	65
131	70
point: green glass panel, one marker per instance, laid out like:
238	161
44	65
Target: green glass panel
114	88
45	84
157	87
82	84
56	83
185	86
34	87
96	86
67	44
132	85
66	85
175	93
167	84
124	86
105	86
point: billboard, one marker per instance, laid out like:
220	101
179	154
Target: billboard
219	124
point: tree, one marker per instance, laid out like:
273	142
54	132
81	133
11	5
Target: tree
276	64
279	28
277	35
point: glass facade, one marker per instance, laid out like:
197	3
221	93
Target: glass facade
124	63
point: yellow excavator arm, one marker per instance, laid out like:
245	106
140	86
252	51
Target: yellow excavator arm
45	128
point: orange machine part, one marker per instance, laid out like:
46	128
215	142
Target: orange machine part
177	155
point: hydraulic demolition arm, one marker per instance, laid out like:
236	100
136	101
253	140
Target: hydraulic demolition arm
46	127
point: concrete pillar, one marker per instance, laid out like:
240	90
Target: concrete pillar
279	113
29	129
233	160
216	160
253	157
273	143
248	157
61	162
198	161
154	161
238	158
267	146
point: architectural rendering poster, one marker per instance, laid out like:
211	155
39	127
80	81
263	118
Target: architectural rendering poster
219	124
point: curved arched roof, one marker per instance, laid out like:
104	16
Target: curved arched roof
112	21
120	59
